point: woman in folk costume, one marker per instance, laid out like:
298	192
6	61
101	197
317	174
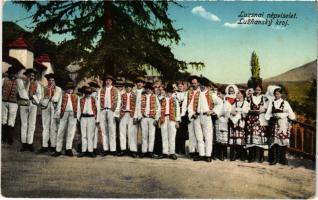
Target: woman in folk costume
88	114
150	111
67	114
51	95
208	104
109	101
249	93
237	127
279	113
28	112
256	125
127	116
12	90
230	93
169	121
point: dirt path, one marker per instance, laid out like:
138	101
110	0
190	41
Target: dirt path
30	175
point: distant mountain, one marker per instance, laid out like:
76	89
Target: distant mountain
305	72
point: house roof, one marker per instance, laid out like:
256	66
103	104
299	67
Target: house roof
43	58
20	43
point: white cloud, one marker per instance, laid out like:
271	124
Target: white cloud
199	10
237	25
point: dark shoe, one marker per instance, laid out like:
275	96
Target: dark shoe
282	155
69	152
4	133
121	153
142	155
199	158
251	154
113	153
23	147
232	153
96	152
30	147
56	154
52	149
82	154
261	155
275	155
104	153
221	153
43	150
208	159
150	155
133	154
162	156
10	135
242	154
173	157
91	154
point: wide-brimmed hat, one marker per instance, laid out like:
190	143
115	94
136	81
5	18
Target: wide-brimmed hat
50	75
140	79
29	71
109	77
87	89
129	83
169	88
69	85
204	81
190	78
13	70
119	83
148	86
93	84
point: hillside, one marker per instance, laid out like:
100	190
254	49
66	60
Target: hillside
305	72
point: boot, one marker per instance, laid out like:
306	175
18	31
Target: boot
224	149
208	159
43	150
163	156
261	155
52	149
221	150
56	154
214	151
24	147
30	147
233	153
251	154
4	132
96	151
199	158
173	157
242	154
10	135
282	155
69	152
120	153
133	154
270	155
275	155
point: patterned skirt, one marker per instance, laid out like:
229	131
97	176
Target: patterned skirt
256	133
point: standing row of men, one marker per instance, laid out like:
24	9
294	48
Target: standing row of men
99	109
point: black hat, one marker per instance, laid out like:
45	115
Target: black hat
205	82
29	71
109	77
50	75
149	86
93	84
169	88
120	83
140	79
13	70
87	90
193	77
69	85
129	84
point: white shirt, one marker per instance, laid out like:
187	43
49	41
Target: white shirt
88	106
147	110
108	97
128	102
138	103
167	105
203	105
69	107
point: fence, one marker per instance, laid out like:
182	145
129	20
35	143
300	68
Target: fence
303	140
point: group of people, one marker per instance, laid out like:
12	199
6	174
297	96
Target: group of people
193	117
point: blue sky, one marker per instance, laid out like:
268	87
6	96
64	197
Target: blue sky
225	50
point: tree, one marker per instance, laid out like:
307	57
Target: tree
117	36
255	71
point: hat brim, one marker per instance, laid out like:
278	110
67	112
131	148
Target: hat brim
193	77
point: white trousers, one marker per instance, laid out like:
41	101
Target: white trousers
68	123
88	125
49	124
148	134
168	134
108	128
127	127
28	121
96	137
193	145
204	134
9	113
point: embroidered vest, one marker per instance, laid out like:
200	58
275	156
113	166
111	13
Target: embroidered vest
64	103
10	90
49	92
278	110
113	98
153	105
172	110
82	104
32	88
195	99
209	99
132	104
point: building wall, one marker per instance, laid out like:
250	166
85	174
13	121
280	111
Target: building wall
49	67
24	56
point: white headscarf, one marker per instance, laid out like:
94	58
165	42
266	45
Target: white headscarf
270	91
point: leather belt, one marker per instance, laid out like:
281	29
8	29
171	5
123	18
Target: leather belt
87	115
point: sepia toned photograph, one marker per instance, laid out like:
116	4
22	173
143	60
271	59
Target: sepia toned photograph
159	99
